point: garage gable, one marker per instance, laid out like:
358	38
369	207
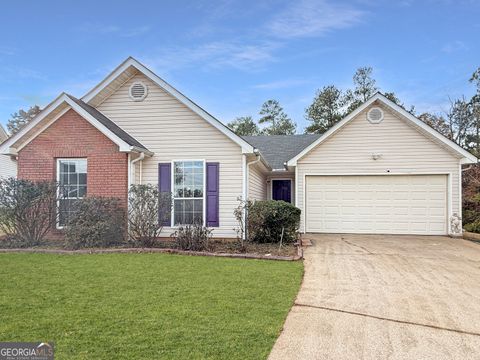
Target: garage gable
384	146
382	122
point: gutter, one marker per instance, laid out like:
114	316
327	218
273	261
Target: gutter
140	158
141	151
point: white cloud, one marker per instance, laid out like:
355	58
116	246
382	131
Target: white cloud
249	57
454	46
313	18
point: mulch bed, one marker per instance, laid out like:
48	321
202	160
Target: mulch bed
218	248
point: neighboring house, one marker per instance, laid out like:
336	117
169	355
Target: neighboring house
8	166
380	170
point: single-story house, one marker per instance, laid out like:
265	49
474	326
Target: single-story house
379	170
8	166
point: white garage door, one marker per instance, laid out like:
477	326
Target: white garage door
384	204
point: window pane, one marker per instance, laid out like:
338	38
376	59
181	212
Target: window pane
188	192
72	176
82	191
67	207
72	179
82	179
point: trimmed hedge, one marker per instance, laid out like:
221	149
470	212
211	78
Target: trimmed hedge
272	221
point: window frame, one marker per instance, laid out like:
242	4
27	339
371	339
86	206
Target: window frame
58	160
282	179
172	186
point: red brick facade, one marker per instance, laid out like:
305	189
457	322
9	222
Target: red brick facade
71	136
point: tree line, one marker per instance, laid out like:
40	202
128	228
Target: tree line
460	122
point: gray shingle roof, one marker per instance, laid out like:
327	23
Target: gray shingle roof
109	124
277	149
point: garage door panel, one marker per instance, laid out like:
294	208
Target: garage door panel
414	204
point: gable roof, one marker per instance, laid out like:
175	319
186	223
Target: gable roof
278	149
58	107
109	124
3	134
123	72
467	158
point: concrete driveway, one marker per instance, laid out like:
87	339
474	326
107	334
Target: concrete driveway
385	297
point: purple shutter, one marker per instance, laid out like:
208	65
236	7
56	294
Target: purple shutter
213	194
164	182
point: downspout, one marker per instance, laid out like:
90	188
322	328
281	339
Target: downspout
246	187
140	158
257	160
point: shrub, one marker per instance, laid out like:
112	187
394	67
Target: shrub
148	210
96	222
192	237
471	213
471	198
473	226
272	221
27	210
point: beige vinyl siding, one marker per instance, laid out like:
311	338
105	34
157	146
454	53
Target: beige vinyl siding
8	167
403	149
174	132
257	184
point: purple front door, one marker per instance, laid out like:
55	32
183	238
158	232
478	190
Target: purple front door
282	190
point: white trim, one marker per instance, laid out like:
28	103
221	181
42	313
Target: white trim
57	162
172	187
129	170
43	128
449	189
5	148
291	187
258	159
296	182
460	193
246	147
467	158
4	133
244	192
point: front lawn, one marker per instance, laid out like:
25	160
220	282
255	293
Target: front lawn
146	306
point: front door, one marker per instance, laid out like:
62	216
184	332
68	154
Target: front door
282	190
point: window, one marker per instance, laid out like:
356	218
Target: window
72	179
188	190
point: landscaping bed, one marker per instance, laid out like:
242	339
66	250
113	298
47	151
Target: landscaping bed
130	306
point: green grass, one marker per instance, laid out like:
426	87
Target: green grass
146	306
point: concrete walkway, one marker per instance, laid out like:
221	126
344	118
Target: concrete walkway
385	297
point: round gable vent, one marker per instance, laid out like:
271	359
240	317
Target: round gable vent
375	115
138	91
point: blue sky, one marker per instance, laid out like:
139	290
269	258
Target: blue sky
230	56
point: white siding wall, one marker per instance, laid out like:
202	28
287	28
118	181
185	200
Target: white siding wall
404	150
257	184
8	167
174	132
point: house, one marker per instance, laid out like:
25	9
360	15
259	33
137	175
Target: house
379	170
8	166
